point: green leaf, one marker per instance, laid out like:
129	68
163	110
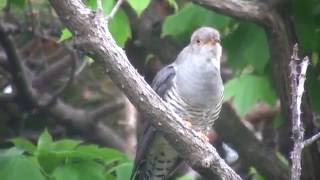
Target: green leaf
278	121
313	87
247	45
65	144
18	3
255	174
83	170
306	16
120	28
3	3
185	178
181	24
19	167
247	90
173	4
139	5
44	141
65	34
105	154
123	171
10	152
24	144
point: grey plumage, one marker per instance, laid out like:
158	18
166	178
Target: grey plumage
193	87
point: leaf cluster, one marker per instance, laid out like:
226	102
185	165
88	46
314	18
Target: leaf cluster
60	160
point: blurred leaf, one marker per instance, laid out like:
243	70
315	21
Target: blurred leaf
18	3
105	154
283	159
83	170
313	87
181	24
65	34
120	28
306	15
174	4
44	141
255	174
65	144
139	5
19	167
124	171
247	45
3	3
185	178
10	152
24	144
247	90
278	121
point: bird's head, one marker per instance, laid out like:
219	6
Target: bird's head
206	40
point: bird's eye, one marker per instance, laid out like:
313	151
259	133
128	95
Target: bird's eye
198	41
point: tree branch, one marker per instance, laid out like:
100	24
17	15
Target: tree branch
311	140
255	11
115	9
248	146
24	91
96	39
297	76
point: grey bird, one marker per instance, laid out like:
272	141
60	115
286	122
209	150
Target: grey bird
193	87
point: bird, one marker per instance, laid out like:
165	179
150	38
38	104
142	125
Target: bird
192	86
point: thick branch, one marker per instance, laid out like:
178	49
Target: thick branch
97	40
248	146
84	120
246	10
25	93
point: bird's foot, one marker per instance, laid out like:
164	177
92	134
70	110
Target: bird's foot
188	124
204	136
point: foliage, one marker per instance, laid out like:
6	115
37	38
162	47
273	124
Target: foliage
245	96
61	159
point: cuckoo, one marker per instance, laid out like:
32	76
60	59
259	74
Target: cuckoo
193	87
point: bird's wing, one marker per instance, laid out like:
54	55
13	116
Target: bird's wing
161	84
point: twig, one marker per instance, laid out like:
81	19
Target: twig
252	151
311	140
114	10
297	76
197	152
99	6
56	94
16	68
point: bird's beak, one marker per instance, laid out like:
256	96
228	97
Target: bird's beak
213	41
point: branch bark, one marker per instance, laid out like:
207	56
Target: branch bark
255	11
297	76
251	150
95	39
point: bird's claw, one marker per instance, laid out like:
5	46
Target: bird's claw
188	124
204	137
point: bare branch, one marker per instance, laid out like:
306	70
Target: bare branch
16	69
84	121
114	10
247	10
297	76
197	152
311	140
99	6
251	150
